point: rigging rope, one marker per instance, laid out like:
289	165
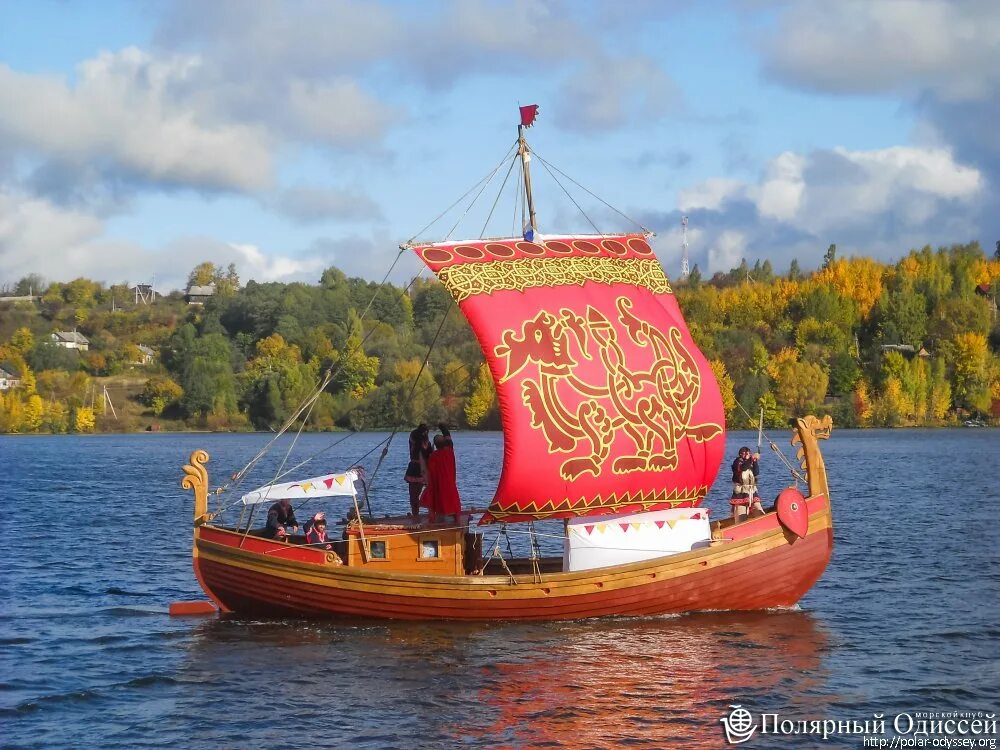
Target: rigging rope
409	397
327	378
578	207
497	199
464	196
474	200
593	195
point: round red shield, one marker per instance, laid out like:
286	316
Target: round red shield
792	511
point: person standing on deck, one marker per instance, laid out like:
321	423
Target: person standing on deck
441	495
416	469
745	472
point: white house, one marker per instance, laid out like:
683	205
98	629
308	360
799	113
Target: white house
71	340
146	355
8	381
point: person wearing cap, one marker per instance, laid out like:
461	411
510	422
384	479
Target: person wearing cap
745	471
280	518
316	532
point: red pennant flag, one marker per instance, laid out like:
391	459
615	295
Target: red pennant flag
328	482
624	526
528	114
659	524
590	528
696	517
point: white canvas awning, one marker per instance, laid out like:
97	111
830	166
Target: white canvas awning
328	485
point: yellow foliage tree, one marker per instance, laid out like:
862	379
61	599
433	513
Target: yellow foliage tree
860	279
726	388
482	398
31	419
85	420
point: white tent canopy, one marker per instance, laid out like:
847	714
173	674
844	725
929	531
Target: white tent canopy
328	485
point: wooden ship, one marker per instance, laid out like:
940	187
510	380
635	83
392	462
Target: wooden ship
613	424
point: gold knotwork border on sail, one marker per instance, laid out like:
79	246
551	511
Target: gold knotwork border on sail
466	280
608	504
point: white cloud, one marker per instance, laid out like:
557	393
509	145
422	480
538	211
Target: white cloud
940	58
254	264
880	202
710	194
612	93
950	48
726	251
32	229
339	113
313	204
37	236
780	194
135	117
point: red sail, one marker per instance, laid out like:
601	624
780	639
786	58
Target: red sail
607	405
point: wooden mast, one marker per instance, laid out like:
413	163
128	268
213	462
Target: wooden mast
525	154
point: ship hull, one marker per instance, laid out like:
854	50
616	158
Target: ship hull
758	564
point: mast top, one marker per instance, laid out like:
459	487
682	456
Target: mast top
528	115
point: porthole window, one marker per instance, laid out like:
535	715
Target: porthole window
377	550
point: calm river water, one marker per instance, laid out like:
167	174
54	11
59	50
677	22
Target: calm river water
97	544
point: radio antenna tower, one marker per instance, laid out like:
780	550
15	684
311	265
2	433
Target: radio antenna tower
685	271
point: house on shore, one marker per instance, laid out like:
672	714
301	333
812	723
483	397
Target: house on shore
71	340
146	356
8	380
199	295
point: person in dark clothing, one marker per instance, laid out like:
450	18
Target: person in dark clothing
280	517
416	469
745	472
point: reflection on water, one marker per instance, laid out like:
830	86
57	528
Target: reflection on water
654	683
904	619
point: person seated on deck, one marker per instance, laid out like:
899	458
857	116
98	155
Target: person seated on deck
441	495
745	472
280	517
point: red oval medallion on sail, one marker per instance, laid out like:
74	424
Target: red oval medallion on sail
793	513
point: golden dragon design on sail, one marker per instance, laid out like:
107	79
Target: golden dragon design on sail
651	407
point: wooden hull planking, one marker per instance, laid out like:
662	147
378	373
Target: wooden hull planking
758	565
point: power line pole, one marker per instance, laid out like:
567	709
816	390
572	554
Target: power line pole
685	270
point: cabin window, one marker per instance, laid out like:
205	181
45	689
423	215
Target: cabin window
429	549
376	550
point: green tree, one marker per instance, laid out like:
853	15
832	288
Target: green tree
794	272
830	256
159	392
970	374
801	386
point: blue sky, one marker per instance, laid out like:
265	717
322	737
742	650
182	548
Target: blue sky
139	139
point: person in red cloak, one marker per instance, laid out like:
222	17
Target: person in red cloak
441	495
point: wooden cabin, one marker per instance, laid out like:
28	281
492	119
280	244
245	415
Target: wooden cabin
399	545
